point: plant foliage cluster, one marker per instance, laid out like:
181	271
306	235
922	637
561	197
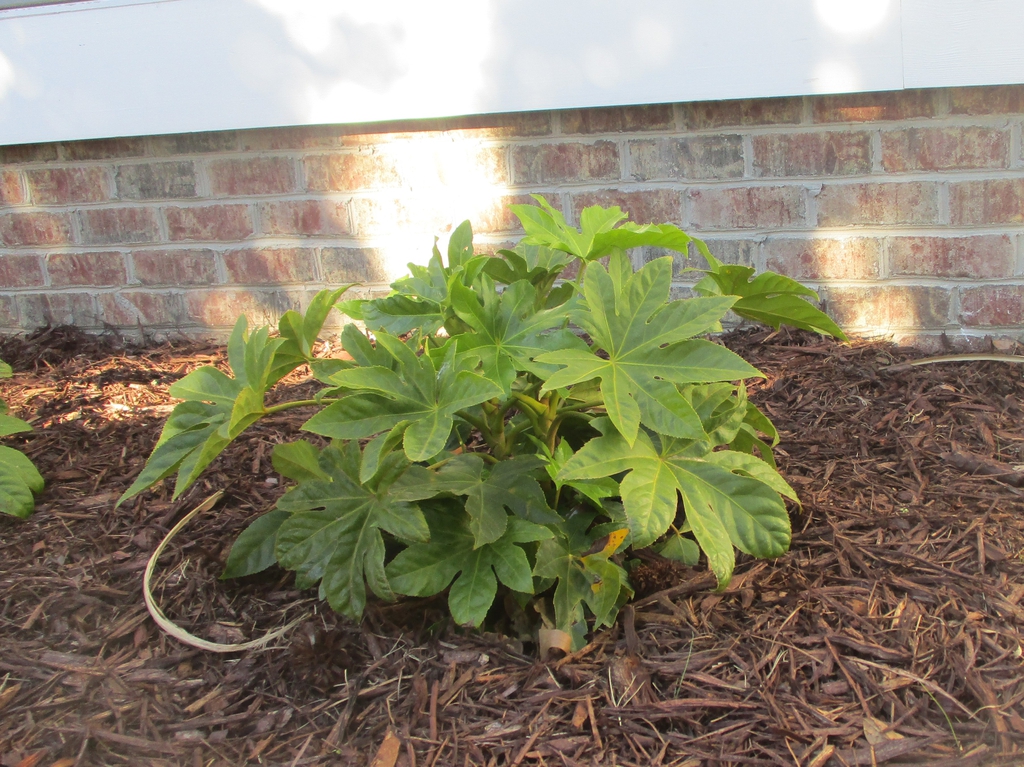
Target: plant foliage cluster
512	422
19	478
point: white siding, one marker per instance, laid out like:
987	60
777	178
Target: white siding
104	68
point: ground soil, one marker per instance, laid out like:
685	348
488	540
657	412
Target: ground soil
891	633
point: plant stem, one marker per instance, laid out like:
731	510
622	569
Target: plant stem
296	403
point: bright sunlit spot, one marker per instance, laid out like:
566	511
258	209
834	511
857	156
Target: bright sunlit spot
446	179
6	75
835	77
852	18
388	57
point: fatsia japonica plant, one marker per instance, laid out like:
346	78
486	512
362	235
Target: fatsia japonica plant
19	478
512	422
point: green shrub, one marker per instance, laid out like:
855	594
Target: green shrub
479	440
19	478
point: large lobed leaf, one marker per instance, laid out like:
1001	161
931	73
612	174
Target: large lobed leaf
510	484
333	532
425	569
770	298
421	390
19	479
507	331
730	499
645	339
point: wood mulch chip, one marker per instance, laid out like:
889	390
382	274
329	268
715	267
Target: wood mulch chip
891	633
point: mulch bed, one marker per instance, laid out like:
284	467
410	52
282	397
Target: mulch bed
891	633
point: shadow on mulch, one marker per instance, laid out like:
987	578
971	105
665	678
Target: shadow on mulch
889	634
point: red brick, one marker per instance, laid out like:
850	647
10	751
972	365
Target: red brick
995	201
764	206
980	257
855	258
987	100
119	226
719	114
836	153
351	172
145	308
508	125
945	148
883	307
618	119
292	138
103	149
19	153
85	269
39	309
341	265
9	313
694	157
306	218
20	271
11	191
865	204
252	175
194	143
660	206
222	308
222	223
992	306
175	267
559	163
156	181
518	124
68	185
270	266
35	228
869	107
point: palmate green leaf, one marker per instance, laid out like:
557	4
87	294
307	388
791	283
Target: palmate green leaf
594	490
207	384
19	479
414	391
217	408
398	314
300	332
770	298
582	579
547	227
644	336
333	533
187	429
253	550
534	263
508	332
631	235
425	569
11	425
420	302
298	461
598	235
726	505
680	549
510	484
6	371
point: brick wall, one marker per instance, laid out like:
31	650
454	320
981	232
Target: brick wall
905	209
